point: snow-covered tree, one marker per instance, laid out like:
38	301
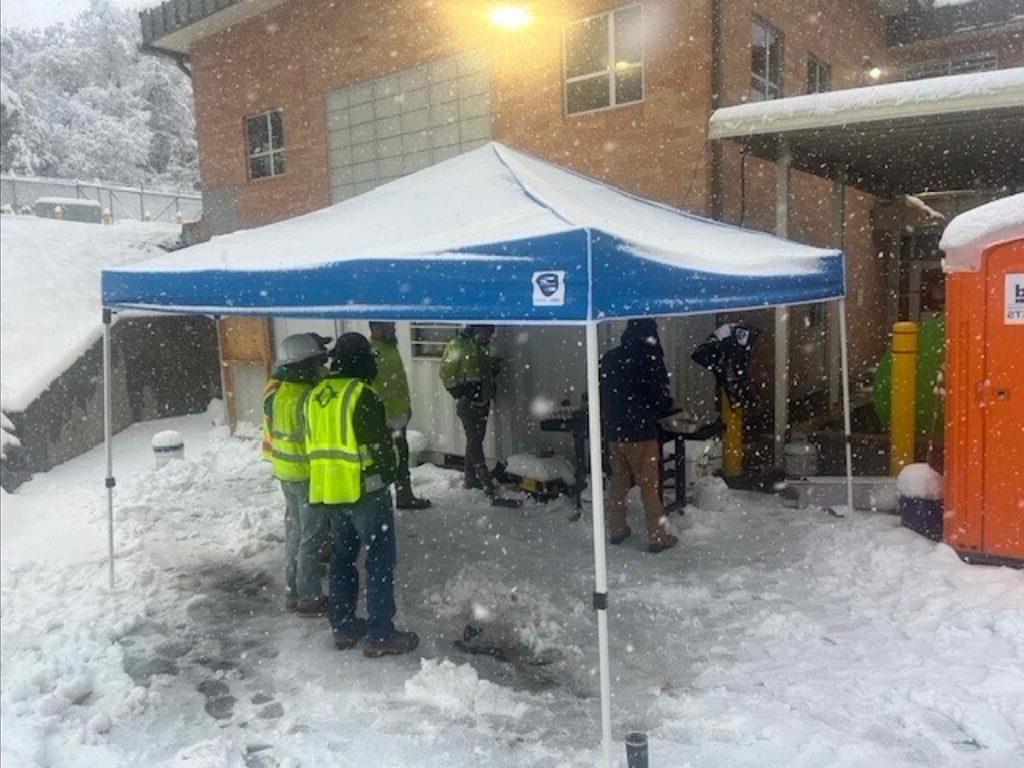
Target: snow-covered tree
80	101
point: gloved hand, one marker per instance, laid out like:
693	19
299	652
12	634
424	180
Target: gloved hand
399	423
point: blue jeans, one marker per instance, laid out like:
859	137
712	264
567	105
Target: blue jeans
370	522
304	531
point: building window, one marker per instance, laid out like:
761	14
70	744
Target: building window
766	62
604	60
819	75
981	62
429	339
265	135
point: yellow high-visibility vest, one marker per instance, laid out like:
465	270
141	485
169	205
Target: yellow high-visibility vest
340	469
288	433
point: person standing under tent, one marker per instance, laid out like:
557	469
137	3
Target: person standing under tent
300	367
469	372
392	386
352	463
634	396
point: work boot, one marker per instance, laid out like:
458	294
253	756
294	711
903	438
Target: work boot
618	538
411	502
315	610
347	639
471	483
399	643
660	545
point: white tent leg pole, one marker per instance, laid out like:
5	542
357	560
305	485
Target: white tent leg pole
781	405
107	443
600	561
847	431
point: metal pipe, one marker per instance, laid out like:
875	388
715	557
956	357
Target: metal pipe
107	440
781	410
636	750
847	431
600	560
834	354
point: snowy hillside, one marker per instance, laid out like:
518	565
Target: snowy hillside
79	101
50	293
770	637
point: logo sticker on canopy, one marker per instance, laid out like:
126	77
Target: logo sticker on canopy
549	289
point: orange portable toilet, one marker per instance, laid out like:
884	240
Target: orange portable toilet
984	477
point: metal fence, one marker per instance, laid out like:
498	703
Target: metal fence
136	203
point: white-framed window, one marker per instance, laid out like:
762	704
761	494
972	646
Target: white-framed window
819	75
766	62
429	339
264	135
604	60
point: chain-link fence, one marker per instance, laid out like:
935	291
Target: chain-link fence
136	203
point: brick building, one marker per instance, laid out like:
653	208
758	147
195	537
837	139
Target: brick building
302	103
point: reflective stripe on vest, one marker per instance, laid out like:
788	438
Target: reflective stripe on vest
339	467
287	431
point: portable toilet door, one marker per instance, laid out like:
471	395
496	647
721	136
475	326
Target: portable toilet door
985	408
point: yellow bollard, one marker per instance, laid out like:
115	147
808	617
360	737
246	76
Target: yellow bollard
732	450
903	417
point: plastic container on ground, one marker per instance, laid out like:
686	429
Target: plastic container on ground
703	458
800	458
168	446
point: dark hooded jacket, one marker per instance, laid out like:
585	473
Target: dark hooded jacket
634	385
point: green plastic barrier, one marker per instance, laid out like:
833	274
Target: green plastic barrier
931	360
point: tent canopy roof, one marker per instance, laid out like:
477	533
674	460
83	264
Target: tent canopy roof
492	234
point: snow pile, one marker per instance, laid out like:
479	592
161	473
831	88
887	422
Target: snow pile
711	493
57	265
458	691
972	232
519	615
919	481
769	636
544	470
7	436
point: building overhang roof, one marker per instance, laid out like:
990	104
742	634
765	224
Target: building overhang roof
176	25
956	132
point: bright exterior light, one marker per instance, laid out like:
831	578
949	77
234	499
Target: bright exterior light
874	73
511	16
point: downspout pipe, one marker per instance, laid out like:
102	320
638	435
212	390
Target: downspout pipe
717	87
180	59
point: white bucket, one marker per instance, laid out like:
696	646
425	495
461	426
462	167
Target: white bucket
800	459
703	458
168	446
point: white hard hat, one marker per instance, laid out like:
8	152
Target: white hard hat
302	346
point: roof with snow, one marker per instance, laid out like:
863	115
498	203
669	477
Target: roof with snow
493	234
972	233
955	132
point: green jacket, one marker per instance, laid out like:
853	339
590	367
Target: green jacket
391	384
468	370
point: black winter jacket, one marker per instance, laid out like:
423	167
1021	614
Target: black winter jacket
634	386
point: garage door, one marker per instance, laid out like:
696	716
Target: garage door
381	129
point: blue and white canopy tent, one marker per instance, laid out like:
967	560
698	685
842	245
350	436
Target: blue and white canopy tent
495	236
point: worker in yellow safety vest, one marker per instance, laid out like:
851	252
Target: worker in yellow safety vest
299	368
351	464
392	386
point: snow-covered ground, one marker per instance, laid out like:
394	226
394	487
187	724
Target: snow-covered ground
56	265
770	637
